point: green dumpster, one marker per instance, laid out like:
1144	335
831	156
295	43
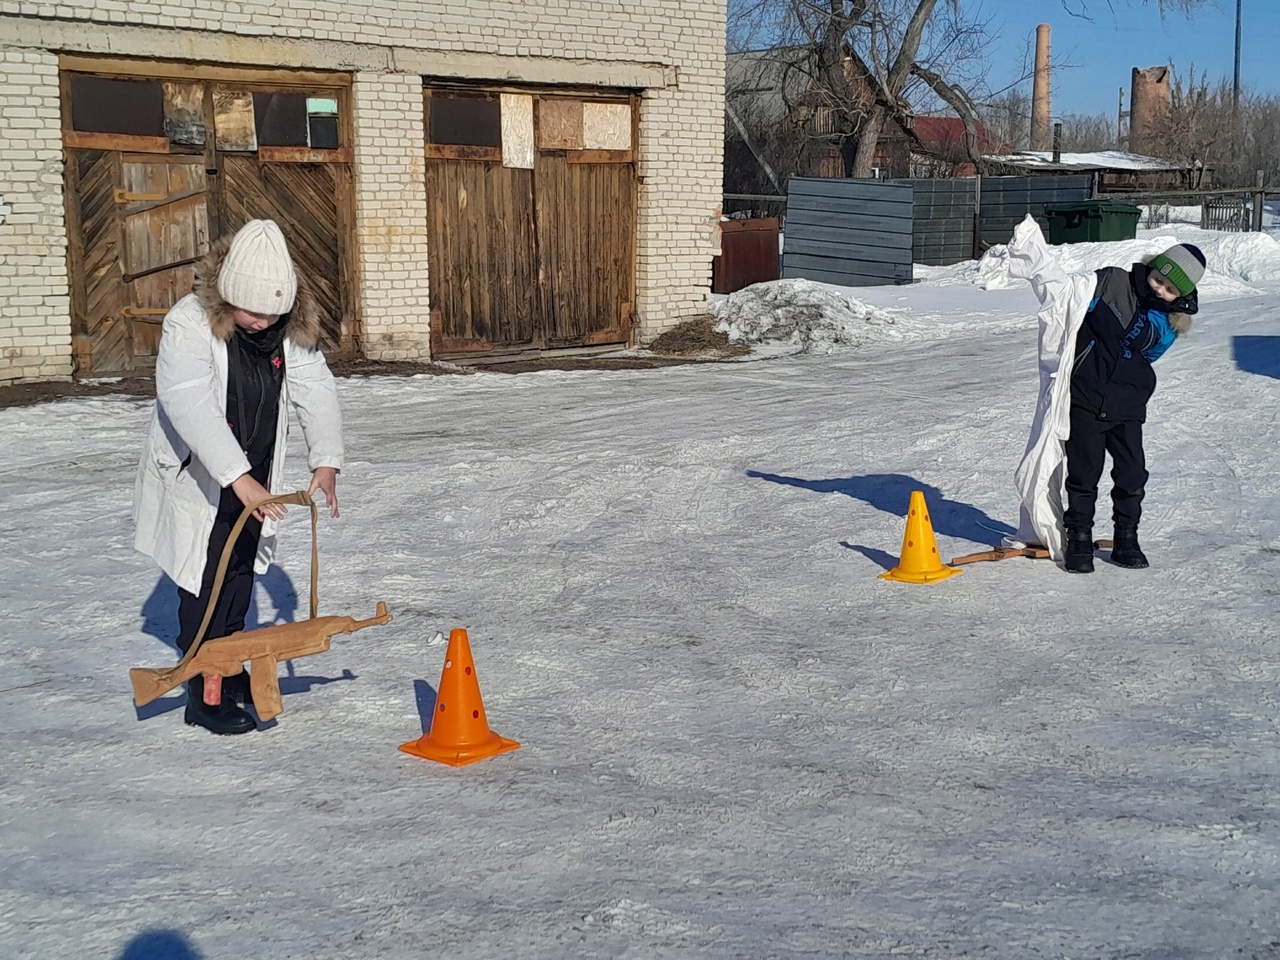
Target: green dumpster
1092	220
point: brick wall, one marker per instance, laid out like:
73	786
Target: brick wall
391	216
35	306
674	49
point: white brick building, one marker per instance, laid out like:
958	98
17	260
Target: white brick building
607	167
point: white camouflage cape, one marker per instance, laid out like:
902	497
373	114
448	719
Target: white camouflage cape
1064	300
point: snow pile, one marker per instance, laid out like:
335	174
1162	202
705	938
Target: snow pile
1238	263
804	314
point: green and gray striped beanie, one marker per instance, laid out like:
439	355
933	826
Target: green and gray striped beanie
1182	265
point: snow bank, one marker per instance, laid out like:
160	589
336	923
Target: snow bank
802	313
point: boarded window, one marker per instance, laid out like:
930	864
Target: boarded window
465	119
184	112
234	121
281	119
132	107
560	124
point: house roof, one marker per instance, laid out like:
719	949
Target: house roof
1098	160
940	131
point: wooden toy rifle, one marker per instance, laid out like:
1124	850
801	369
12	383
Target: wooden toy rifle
1005	553
263	648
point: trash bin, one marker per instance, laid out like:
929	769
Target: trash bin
1092	220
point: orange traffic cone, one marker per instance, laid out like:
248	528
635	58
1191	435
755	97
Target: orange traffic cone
920	562
460	732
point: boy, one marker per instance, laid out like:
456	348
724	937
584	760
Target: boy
1134	316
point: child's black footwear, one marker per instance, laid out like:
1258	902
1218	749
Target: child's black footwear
226	718
237	688
1078	557
1125	551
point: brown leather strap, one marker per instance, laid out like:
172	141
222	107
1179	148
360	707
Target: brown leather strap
300	498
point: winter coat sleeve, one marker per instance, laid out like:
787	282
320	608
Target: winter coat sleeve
315	400
188	391
1165	335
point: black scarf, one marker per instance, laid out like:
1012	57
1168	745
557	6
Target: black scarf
256	377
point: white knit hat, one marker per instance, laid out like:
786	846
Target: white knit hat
257	273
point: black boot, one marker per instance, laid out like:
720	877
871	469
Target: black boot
1125	551
226	718
237	688
1079	552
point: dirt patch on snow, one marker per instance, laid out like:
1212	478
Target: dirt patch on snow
24	394
697	338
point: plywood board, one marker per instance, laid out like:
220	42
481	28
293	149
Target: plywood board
233	118
517	131
606	126
560	124
184	112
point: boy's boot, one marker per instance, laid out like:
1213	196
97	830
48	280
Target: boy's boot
1125	551
225	718
1078	557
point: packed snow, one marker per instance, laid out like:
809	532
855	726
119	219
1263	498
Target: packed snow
736	740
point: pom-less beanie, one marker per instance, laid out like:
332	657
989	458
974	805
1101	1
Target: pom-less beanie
1183	265
257	273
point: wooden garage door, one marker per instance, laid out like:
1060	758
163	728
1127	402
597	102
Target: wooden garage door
139	227
156	169
531	204
482	257
303	199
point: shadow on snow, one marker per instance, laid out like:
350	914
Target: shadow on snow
1260	355
891	493
159	945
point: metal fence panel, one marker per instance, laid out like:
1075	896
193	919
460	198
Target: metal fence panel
1007	200
943	212
849	232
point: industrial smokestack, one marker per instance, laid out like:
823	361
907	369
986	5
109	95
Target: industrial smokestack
1148	106
1040	92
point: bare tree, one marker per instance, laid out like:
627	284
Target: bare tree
861	66
1197	127
1086	8
1084	133
1007	117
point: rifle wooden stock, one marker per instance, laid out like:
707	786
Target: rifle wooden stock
262	649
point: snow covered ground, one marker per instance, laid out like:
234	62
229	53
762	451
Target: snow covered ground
737	741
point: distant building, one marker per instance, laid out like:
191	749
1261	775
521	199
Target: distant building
776	117
1115	171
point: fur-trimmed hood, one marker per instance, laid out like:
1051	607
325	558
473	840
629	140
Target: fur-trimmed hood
304	318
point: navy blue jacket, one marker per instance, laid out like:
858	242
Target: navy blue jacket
1125	330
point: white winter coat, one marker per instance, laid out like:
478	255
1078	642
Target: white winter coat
1064	301
191	453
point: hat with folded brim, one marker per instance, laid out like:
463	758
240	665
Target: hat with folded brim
1182	265
257	273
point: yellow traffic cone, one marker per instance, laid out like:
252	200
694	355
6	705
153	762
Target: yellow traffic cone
919	562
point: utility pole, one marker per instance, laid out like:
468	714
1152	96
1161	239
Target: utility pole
1121	115
1237	141
1235	91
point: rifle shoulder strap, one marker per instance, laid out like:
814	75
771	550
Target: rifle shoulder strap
301	499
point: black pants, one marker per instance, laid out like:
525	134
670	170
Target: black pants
1090	440
237	585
